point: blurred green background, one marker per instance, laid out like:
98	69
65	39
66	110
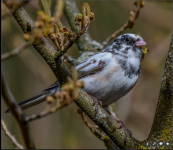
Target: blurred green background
27	75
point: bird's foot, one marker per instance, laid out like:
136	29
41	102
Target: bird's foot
126	130
96	102
122	126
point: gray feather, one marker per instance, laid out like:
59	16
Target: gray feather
38	98
30	102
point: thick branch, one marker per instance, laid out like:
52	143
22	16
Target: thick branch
107	123
18	114
45	49
162	128
8	14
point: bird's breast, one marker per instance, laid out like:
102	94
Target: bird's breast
109	85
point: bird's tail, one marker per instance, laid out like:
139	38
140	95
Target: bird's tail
30	102
51	90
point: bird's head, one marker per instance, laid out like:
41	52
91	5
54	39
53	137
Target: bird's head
131	40
129	45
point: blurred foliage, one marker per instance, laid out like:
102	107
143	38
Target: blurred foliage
27	74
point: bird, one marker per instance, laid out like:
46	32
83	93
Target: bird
108	75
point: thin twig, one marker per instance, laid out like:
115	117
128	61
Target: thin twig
47	112
56	20
129	23
80	32
8	134
18	114
15	51
71	60
85	42
101	135
92	129
58	11
8	14
69	45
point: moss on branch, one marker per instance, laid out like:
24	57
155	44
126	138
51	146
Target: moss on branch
162	128
107	123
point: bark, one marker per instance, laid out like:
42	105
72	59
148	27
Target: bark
162	128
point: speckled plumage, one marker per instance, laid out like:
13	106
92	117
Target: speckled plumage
108	75
119	72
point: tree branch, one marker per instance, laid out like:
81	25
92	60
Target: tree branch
107	123
68	45
81	58
8	14
8	134
102	136
48	111
129	23
45	49
85	42
15	51
18	114
91	127
71	60
162	128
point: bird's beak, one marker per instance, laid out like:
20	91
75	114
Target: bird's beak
140	43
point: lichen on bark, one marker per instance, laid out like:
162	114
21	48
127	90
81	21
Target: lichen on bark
162	128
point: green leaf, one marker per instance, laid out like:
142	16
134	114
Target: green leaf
45	5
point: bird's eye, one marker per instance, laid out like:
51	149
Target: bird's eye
127	39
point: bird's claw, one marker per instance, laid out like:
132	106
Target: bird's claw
122	126
96	102
125	129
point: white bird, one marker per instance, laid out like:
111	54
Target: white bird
108	75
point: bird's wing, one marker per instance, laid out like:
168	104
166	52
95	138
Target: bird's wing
54	85
94	64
